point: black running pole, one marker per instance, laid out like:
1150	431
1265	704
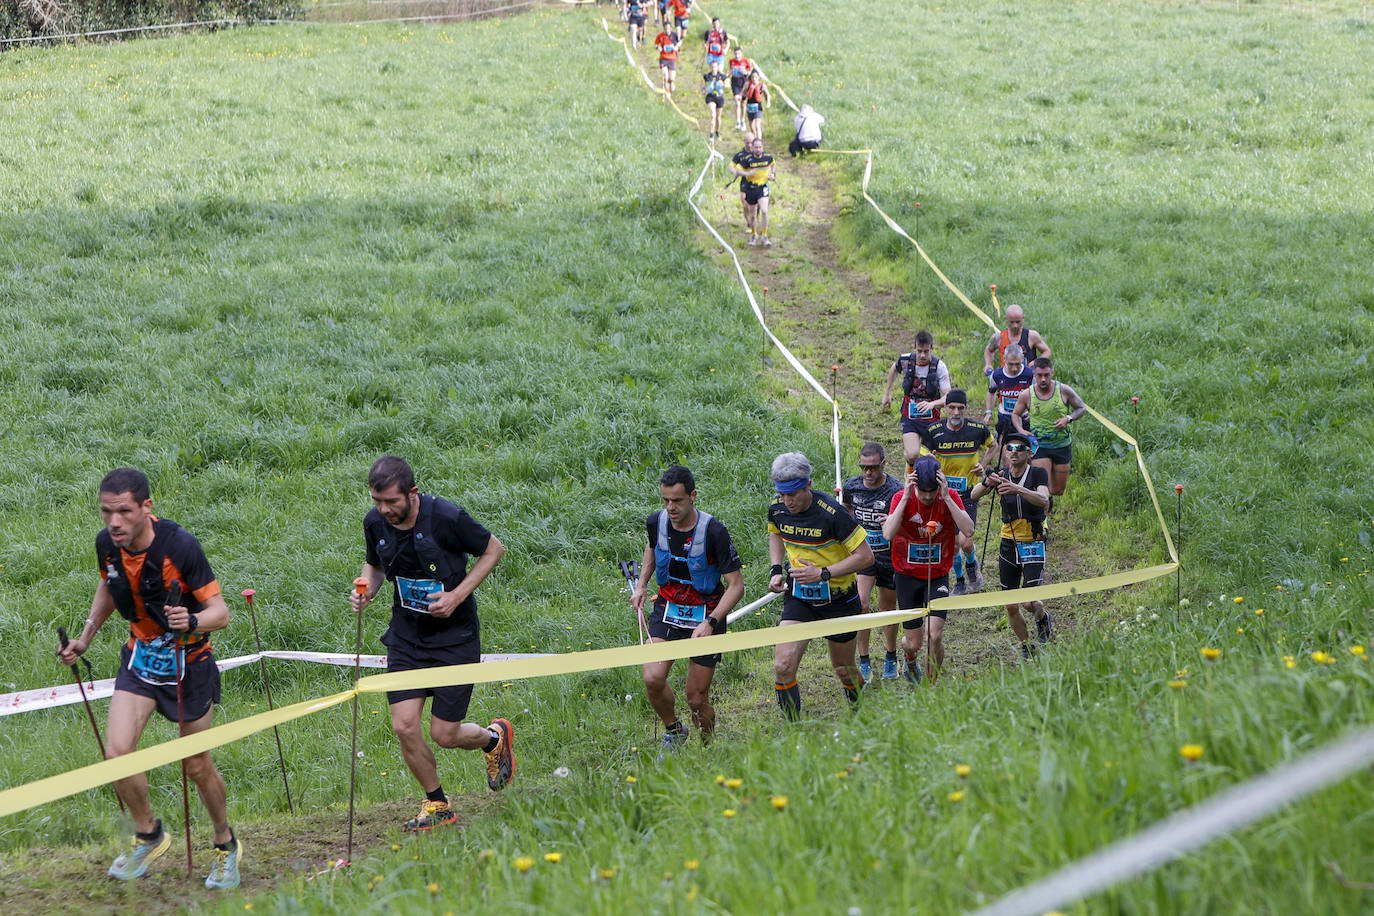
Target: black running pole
988	529
174	599
360	586
248	594
62	638
1178	570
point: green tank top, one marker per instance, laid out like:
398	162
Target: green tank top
1042	415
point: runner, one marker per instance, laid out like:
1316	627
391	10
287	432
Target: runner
740	68
144	562
755	171
956	442
667	44
633	12
1005	385
867	497
661	13
692	559
925	382
714	42
1030	342
756	98
422	543
713	88
1025	492
824	547
1045	410
682	11
738	160
922	554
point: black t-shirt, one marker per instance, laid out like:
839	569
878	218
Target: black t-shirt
458	536
720	553
1021	519
869	507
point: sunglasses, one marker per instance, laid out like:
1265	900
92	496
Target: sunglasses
1017	447
870	467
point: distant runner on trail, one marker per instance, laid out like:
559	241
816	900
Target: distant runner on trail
682	11
1005	385
868	497
740	68
755	170
144	561
922	553
1024	492
824	548
422	544
756	98
1045	410
715	42
713	88
959	445
633	12
691	557
925	382
667	45
1016	332
738	160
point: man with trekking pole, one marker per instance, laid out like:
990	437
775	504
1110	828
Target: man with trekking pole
155	574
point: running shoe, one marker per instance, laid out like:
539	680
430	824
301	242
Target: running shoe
866	669
501	759
225	872
890	668
1044	628
141	854
959	588
975	578
767	242
913	672
432	814
672	742
753	241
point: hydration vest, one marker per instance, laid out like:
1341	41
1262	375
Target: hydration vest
1028	352
435	560
704	577
151	588
922	389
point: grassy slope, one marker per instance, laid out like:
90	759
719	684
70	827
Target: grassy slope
1064	759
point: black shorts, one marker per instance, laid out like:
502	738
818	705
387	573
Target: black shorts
1004	426
753	111
450	703
970	506
716	99
637	20
911	594
843	604
668	64
680	21
914	426
737	84
199	687
1057	456
755	193
880	570
1014	573
659	629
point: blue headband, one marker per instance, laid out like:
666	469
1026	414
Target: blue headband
791	486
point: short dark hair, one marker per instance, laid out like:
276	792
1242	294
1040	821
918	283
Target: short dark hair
677	474
127	480
873	448
924	337
389	471
1042	362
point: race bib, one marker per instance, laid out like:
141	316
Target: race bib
876	540
815	592
923	554
1008	404
1030	551
957	484
687	616
155	662
913	414
415	593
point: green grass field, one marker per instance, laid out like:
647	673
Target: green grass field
251	262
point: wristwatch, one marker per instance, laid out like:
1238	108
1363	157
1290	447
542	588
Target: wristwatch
825	573
192	623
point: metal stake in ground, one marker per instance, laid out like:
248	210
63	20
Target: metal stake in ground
1135	409
174	599
248	594
996	306
1178	570
360	586
62	638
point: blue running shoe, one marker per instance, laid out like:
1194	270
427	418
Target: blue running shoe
913	672
890	668
141	854
866	669
225	872
1044	628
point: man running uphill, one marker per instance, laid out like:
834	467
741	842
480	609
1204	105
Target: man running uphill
755	169
422	543
691	557
824	548
145	561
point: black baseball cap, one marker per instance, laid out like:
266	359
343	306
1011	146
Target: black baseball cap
927	468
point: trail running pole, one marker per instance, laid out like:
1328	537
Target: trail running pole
987	531
1135	431
360	586
930	537
62	638
1178	570
248	594
630	570
174	599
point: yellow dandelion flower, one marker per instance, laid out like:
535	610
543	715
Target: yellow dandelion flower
1345	559
1240	630
842	774
956	796
692	893
433	887
779	801
631	779
553	858
857	758
524	863
1191	751
377	880
1357	650
248	906
1178	684
734	782
963	770
691	865
720	779
728	812
1319	656
1211	654
1182	673
1238	599
395	847
609	873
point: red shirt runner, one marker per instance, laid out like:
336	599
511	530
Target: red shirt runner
910	544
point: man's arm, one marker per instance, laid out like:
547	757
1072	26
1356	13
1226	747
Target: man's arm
102	606
374	577
990	353
1020	410
646	572
1038	342
448	602
892	374
777	556
1072	399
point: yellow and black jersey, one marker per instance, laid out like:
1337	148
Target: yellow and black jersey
823	535
756	168
957	450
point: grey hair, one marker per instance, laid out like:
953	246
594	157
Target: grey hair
791	466
1013	351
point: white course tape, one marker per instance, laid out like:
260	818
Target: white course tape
1187	830
739	612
